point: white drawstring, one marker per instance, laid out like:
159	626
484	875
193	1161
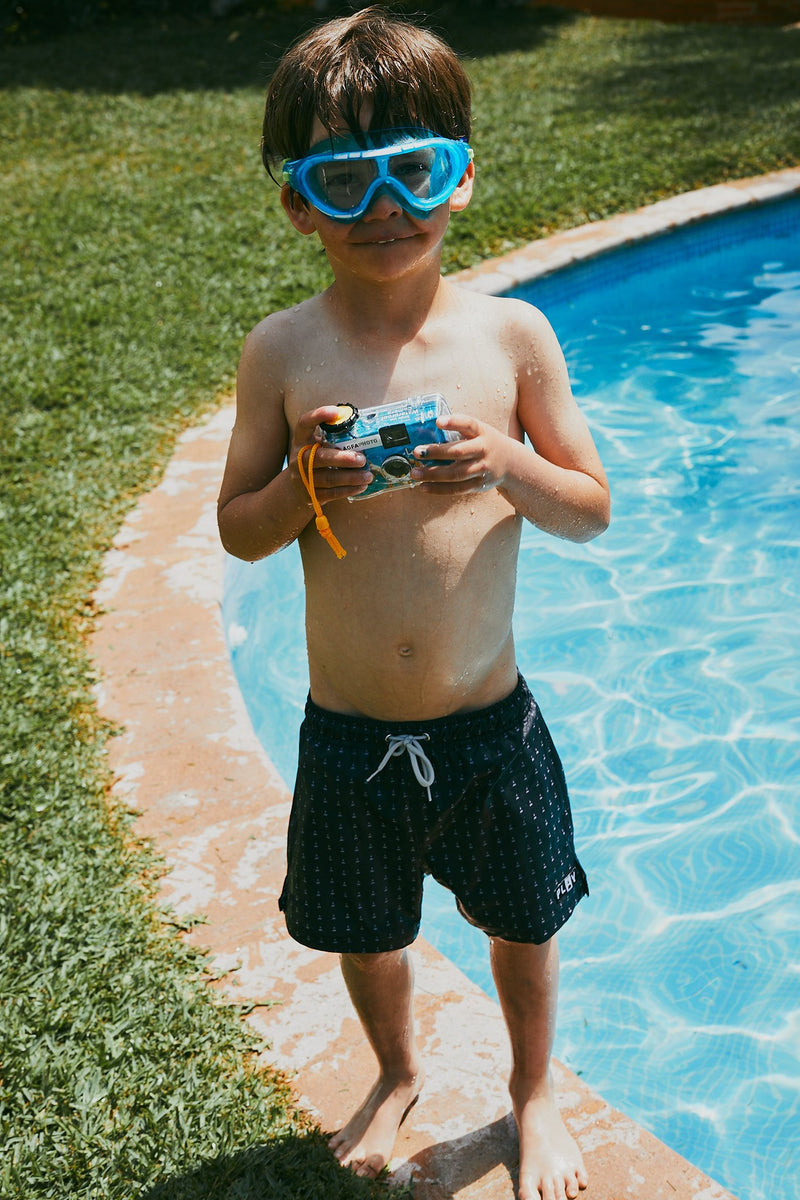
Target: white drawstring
420	763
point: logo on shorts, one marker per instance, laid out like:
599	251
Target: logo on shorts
567	884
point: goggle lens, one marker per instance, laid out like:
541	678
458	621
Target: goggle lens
343	185
423	172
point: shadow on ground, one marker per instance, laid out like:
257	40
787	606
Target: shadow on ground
300	1167
293	1167
148	57
450	1167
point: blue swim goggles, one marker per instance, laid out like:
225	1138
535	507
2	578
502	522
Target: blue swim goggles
418	167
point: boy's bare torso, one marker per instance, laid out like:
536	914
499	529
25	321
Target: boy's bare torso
416	621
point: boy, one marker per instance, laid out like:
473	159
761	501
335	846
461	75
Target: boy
421	749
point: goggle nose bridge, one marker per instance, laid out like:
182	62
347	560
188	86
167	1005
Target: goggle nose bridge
384	182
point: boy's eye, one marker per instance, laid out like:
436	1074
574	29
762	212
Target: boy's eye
343	181
414	170
338	179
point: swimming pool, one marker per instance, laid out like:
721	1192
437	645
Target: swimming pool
665	657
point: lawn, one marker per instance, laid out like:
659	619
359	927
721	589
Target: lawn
141	240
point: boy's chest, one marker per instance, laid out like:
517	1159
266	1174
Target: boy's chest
479	381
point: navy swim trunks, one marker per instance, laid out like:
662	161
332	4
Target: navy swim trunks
476	799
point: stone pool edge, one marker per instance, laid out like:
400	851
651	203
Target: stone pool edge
187	760
541	258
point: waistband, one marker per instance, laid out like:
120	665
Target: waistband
459	725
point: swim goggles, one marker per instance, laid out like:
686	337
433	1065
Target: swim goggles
340	178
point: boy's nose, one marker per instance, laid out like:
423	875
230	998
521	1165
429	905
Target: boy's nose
382	205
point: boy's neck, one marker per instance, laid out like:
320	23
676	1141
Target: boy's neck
396	310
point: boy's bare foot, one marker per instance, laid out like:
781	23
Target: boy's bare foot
367	1140
550	1163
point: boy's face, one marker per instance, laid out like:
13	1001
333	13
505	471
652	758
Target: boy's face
387	236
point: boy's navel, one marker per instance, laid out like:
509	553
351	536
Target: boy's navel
405	651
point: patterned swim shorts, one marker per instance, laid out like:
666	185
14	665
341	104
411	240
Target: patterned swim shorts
476	799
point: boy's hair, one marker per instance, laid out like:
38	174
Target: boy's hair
409	74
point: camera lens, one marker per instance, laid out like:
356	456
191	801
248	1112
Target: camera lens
396	466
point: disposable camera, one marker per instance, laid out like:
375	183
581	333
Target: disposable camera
387	434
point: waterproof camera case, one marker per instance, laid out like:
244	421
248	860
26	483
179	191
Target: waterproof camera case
387	434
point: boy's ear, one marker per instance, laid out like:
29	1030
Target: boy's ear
296	210
463	193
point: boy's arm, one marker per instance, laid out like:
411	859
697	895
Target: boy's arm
558	482
263	504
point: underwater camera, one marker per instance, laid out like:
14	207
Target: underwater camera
387	434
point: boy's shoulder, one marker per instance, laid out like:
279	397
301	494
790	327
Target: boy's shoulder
500	310
279	340
285	326
517	324
271	352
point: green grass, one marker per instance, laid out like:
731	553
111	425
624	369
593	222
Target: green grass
141	242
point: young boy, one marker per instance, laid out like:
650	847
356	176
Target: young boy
422	749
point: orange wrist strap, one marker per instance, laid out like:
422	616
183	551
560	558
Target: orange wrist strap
323	524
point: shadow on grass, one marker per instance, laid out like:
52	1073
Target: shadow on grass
149	57
293	1167
728	70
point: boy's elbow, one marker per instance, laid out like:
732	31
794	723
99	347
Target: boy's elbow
593	531
241	550
230	534
247	542
231	546
590	518
599	519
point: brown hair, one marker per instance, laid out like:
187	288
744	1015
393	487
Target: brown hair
409	74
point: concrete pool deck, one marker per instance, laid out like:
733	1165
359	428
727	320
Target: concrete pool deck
214	805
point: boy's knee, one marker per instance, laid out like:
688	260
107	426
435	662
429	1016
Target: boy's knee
373	964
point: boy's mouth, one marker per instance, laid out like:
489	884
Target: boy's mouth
386	241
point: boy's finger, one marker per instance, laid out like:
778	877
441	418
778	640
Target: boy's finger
341	477
308	422
341	492
470	470
449	450
458	487
339	458
468	427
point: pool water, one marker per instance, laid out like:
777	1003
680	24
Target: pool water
665	658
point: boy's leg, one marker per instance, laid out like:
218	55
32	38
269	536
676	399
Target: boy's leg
381	987
526	976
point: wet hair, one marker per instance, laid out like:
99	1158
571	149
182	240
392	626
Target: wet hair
411	77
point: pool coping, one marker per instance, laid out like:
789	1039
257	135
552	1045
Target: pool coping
187	760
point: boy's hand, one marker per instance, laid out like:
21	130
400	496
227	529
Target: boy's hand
338	473
477	463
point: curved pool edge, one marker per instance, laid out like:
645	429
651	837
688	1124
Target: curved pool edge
216	809
571	246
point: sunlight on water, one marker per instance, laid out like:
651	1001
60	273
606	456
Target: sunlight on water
665	658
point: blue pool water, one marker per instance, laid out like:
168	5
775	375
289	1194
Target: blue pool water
665	658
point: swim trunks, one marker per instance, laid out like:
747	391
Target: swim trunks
476	799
